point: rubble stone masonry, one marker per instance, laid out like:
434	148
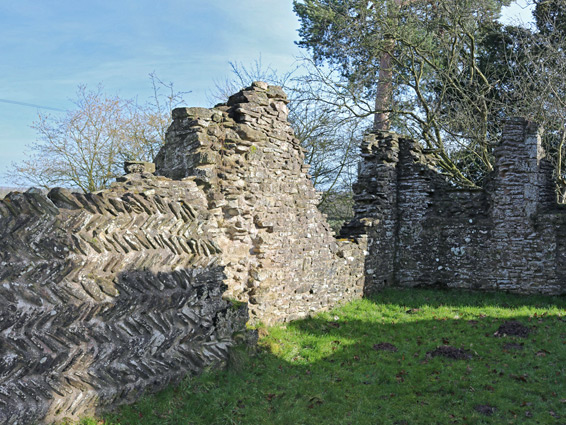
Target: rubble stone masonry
423	231
107	295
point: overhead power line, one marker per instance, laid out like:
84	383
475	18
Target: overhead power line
14	102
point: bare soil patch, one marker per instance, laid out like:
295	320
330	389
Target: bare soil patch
485	409
510	346
512	328
384	346
450	353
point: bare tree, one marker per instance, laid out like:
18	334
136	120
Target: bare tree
537	89
146	124
242	75
415	66
86	146
330	137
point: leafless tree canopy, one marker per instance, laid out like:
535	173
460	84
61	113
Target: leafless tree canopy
86	146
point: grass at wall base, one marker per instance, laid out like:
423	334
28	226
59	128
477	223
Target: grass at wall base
402	357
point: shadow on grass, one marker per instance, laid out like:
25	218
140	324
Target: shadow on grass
331	370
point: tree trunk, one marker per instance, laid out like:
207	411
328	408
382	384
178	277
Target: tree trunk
384	93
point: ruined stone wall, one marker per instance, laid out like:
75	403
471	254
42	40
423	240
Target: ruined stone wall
422	231
106	295
280	253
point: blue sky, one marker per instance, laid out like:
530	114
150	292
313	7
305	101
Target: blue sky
49	47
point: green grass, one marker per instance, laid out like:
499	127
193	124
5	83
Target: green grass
325	370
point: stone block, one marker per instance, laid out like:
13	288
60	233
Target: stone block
131	167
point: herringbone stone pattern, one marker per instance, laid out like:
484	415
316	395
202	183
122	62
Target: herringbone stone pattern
109	294
106	295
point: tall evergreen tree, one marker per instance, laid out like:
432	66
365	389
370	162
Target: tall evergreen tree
419	60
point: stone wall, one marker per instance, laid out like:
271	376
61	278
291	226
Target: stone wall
423	231
280	253
106	295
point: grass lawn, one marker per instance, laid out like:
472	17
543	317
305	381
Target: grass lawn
367	363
